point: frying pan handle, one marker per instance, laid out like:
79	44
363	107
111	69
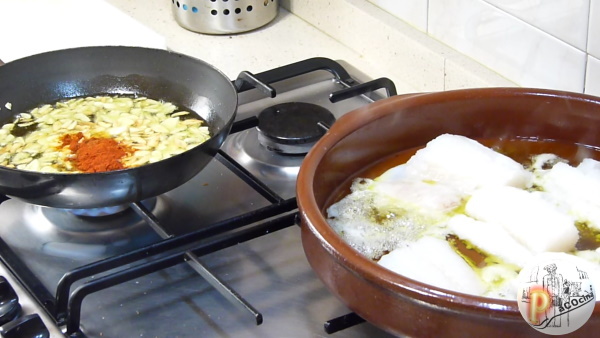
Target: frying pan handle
268	77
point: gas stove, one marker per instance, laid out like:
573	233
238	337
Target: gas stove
218	256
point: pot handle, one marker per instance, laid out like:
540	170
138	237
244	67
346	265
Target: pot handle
364	88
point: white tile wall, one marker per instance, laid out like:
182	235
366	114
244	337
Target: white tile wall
514	48
534	43
592	78
564	19
412	11
593	46
408	56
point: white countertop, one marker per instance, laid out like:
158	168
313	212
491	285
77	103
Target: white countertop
150	23
286	39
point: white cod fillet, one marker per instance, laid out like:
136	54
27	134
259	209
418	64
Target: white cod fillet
432	261
530	219
490	238
426	203
590	168
462	163
576	189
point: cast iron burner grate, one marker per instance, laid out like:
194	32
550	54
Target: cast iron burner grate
65	307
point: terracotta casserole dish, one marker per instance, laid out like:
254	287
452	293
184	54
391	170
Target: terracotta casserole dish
364	137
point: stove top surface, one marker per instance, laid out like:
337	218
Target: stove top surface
270	272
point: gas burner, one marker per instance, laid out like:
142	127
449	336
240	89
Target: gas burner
278	169
60	233
278	161
98	212
93	220
294	127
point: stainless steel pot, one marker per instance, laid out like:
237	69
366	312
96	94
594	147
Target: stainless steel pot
224	16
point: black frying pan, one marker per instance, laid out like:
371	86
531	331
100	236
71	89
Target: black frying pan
45	78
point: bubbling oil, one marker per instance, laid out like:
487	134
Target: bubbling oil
522	150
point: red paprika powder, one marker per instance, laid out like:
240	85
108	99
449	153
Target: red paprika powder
95	154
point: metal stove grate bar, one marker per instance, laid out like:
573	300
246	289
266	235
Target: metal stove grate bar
296	69
195	263
215	244
180	242
247	177
342	322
